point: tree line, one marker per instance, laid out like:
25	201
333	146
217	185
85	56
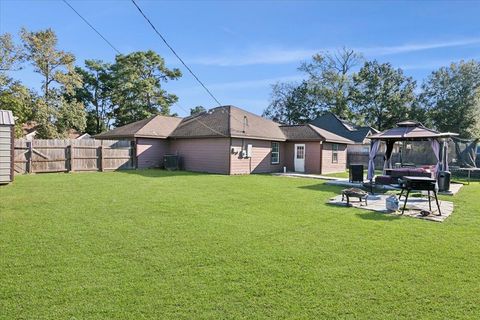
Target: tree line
379	95
101	95
89	99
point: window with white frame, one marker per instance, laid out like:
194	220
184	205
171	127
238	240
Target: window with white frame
334	153
275	153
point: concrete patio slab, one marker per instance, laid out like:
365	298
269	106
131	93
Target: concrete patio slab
343	182
414	206
304	175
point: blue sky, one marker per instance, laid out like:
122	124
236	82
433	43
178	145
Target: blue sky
240	48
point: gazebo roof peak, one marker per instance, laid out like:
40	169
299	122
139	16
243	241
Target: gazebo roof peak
409	123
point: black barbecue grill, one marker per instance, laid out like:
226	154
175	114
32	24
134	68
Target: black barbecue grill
410	183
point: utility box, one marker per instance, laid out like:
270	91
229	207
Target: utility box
444	180
355	174
171	162
249	150
7	131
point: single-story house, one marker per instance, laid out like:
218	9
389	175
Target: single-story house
343	128
230	140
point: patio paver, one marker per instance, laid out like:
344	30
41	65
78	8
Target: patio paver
414	206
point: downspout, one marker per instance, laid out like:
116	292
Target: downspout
12	152
321	157
230	157
229	132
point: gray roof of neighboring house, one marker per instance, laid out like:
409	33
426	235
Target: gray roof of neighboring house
334	124
308	132
154	127
6	118
228	121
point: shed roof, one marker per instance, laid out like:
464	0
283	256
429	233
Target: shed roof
410	130
154	127
309	132
6	118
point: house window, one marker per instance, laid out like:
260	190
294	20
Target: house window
334	153
275	153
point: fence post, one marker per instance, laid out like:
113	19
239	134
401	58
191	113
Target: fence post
101	151
29	155
71	158
133	154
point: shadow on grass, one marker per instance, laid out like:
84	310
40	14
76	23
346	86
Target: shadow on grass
160	173
367	214
378	216
323	187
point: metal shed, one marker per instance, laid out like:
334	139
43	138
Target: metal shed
7	130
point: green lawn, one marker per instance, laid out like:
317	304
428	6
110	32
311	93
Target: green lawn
153	244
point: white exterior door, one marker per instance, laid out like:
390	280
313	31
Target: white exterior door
299	159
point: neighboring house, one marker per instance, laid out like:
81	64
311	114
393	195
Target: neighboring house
73	134
229	140
343	128
30	131
84	136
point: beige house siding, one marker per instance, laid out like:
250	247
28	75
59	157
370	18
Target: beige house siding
203	155
260	162
328	166
313	156
150	152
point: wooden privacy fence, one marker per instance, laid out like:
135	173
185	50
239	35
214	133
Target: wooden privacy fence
38	156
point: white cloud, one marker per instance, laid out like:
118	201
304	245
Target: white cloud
253	83
239	85
434	64
277	55
256	56
413	47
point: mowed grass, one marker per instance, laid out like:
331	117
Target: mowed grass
162	245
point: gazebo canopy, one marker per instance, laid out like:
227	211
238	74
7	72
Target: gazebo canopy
410	130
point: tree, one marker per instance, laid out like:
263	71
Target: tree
137	80
13	95
96	94
327	88
451	96
291	103
382	95
11	57
330	78
197	110
20	100
59	84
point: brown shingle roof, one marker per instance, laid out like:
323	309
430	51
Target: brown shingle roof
154	127
228	121
245	124
212	123
224	121
308	132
